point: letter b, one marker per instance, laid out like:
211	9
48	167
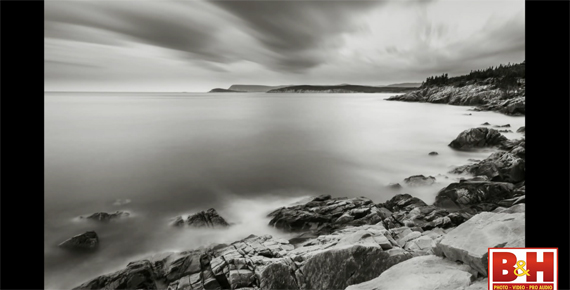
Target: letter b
499	266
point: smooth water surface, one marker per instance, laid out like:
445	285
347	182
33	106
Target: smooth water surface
242	154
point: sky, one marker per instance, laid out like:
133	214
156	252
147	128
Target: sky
194	46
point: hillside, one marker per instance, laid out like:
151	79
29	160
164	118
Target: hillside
218	90
339	89
405	85
253	88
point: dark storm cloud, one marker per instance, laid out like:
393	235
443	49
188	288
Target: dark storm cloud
299	32
171	25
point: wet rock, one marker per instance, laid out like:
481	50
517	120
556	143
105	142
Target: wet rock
505	131
209	218
86	241
503	126
477	138
499	166
469	242
521	130
105	217
394	186
339	268
464	194
421	273
419	180
433	153
137	275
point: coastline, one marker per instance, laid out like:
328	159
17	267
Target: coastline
403	228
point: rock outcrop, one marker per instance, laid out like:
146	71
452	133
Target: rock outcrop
484	95
86	241
470	241
204	219
477	138
474	196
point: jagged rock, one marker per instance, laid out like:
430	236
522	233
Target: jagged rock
339	268
477	138
464	194
499	166
137	275
86	241
433	153
469	242
209	218
521	130
105	217
419	180
421	273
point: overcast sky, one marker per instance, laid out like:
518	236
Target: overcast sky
128	45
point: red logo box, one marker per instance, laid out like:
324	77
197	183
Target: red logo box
523	268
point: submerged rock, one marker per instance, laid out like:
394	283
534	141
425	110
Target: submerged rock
433	153
477	138
419	180
394	186
503	126
86	241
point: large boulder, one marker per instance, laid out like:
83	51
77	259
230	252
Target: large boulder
477	138
340	267
421	273
419	180
499	166
204	219
86	241
470	241
470	194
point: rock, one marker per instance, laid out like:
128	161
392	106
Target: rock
419	180
503	126
178	221
477	138
521	130
105	217
420	273
86	241
209	218
469	242
402	201
137	275
241	278
433	153
277	276
465	194
322	197
394	186
505	131
485	124
339	268
499	166
519	208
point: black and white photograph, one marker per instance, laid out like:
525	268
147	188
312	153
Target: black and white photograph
326	144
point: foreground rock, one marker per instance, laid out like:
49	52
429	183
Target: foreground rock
419	180
421	273
470	241
477	138
86	241
106	217
333	261
209	219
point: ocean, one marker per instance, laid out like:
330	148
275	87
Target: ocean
161	155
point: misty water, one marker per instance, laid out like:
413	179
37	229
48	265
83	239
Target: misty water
171	154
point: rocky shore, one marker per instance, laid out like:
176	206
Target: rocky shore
484	95
354	243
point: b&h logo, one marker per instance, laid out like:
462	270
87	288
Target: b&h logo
523	268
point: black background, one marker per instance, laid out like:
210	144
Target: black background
21	141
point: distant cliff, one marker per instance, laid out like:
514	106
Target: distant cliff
339	89
218	90
253	88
